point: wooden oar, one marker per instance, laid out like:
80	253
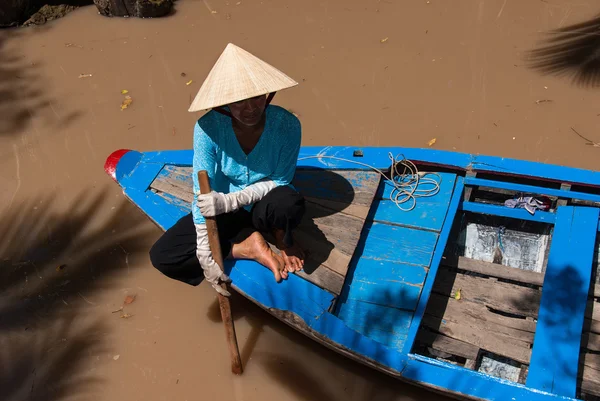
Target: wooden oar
215	248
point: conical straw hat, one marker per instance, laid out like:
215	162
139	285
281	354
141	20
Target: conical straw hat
238	75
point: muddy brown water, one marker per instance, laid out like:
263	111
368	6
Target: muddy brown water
72	248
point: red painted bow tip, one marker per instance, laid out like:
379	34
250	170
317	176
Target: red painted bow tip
110	166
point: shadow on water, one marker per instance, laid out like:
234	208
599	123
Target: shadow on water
349	380
51	264
22	89
52	364
573	51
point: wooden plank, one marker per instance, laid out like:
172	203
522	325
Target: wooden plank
591	360
446	344
481	317
343	237
165	185
590	382
385	293
324	278
592	318
359	211
322	251
383	324
497	270
183	172
399	244
428	212
495	342
345	186
591	341
505	297
371	270
564	297
386	283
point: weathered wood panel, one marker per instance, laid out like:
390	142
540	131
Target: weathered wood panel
446	344
484	338
500	296
497	270
590	382
480	317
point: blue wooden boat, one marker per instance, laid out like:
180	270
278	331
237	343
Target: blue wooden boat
462	292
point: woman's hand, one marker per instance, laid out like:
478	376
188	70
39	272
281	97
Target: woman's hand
213	204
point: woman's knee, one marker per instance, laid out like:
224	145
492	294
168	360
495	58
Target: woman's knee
158	255
175	246
282	208
287	200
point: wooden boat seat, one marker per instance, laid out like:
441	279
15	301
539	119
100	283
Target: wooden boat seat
338	203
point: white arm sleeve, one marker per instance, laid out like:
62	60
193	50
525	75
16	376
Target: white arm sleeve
212	271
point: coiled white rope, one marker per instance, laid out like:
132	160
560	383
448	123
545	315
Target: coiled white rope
409	184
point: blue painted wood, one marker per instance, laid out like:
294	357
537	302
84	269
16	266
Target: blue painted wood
179	204
386	293
503	211
162	213
127	164
399	244
141	177
534	169
531	189
428	213
168	171
470	383
555	354
435	263
182	157
378	156
258	281
387	283
386	270
383	324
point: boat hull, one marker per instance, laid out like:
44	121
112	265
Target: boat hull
332	301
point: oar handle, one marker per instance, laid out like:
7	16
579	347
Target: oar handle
224	305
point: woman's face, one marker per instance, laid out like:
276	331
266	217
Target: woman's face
249	112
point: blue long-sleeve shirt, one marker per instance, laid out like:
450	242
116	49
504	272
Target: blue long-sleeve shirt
217	150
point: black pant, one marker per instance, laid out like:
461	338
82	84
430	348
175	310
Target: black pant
174	254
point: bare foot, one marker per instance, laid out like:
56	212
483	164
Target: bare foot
256	248
293	256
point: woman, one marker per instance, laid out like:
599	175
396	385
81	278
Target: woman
249	150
